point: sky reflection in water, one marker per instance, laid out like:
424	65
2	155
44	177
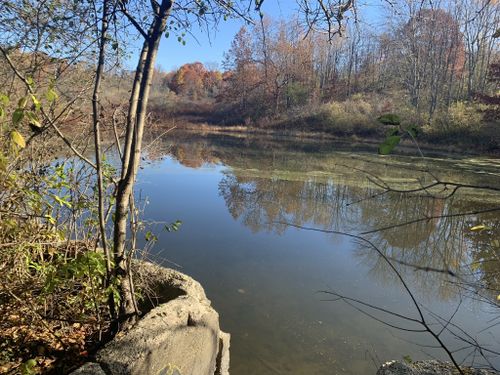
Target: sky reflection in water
263	277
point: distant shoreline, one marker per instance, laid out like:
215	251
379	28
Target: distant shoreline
406	147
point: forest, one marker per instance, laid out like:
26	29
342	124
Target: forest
436	65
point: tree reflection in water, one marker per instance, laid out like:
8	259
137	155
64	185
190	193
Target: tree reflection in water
266	189
267	186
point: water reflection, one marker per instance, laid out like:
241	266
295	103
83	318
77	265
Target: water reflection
287	194
266	184
268	203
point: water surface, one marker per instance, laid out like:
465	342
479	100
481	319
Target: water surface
237	199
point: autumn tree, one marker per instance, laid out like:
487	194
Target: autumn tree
243	76
271	67
289	65
212	83
188	80
482	18
433	54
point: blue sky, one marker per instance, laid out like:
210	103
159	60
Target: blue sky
210	49
173	54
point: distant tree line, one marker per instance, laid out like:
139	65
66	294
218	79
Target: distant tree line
430	56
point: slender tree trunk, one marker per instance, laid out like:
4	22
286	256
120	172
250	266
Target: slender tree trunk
135	127
132	110
97	144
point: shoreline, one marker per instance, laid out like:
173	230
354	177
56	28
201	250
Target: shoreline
406	147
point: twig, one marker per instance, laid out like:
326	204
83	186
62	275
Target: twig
428	218
417	306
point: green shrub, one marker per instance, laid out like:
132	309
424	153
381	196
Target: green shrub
297	94
50	280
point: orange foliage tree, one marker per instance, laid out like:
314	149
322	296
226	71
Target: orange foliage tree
195	81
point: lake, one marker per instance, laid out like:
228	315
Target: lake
238	197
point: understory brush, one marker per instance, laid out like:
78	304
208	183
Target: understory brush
463	123
53	303
355	116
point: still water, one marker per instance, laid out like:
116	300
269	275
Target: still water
236	199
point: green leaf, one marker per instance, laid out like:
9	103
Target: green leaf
18	139
150	236
22	102
407	359
33	119
51	95
412	130
30	81
50	219
176	225
62	201
36	102
4	99
389	144
173	226
17	116
3	162
389	119
391	132
27	368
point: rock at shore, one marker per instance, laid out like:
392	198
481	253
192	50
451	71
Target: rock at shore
427	368
181	336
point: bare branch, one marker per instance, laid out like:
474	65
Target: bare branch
428	218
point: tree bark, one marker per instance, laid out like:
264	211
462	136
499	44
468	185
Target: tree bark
136	120
97	144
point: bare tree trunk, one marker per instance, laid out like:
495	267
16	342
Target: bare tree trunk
136	121
132	110
97	143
